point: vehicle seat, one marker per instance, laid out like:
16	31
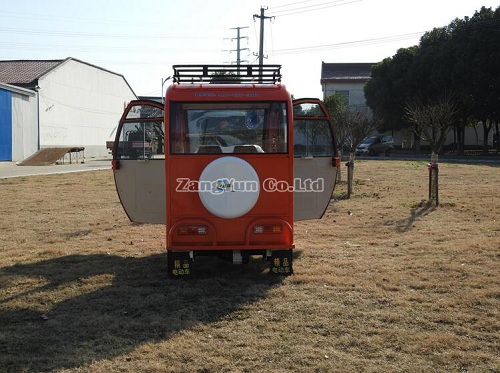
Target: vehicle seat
245	149
211	149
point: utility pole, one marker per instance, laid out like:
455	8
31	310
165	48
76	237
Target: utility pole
262	17
238	48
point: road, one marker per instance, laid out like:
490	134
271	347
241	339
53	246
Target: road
472	159
11	169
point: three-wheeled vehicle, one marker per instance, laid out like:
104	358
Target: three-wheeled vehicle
228	162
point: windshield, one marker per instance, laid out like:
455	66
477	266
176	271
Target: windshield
369	140
200	128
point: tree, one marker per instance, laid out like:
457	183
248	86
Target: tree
351	126
433	120
224	77
483	55
357	125
334	105
389	89
461	58
462	77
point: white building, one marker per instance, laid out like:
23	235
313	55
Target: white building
346	79
77	105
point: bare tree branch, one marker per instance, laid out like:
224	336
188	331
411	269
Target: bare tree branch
432	120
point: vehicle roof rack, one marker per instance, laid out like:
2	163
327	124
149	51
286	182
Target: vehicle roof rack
227	74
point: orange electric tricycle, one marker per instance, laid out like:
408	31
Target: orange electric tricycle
228	162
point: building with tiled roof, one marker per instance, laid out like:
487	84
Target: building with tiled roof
77	104
346	79
25	72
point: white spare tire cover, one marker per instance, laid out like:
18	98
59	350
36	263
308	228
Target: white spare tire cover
229	187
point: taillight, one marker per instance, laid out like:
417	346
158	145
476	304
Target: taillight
336	162
268	229
192	230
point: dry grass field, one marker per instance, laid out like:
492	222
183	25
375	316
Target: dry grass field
384	282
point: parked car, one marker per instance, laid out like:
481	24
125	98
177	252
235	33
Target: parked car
375	145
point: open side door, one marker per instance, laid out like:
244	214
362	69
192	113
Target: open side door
139	162
315	159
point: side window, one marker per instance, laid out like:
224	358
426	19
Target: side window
313	138
141	140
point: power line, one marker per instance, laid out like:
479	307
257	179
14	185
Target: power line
86	21
313	7
94	48
97	35
348	44
297	2
285	51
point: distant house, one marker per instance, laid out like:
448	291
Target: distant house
346	79
75	104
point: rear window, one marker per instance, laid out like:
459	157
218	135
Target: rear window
202	128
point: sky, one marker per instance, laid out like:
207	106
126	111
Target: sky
142	40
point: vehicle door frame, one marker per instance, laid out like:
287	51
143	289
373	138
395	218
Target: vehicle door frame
319	166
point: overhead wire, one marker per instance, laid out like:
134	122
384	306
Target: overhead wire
93	48
295	3
272	40
72	20
96	35
349	44
281	10
290	9
310	8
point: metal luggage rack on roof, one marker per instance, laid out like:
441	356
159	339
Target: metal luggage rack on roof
227	74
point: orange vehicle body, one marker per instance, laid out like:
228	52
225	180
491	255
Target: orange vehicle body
186	209
226	166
